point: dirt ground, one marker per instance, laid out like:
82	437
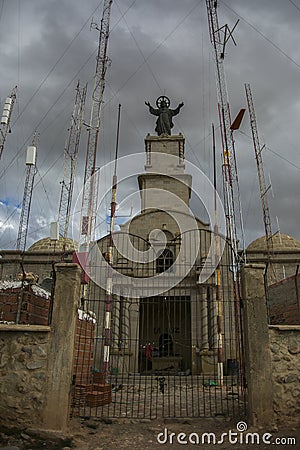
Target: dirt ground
104	434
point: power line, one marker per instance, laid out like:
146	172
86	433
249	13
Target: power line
296	6
115	93
85	63
35	185
272	151
64	90
139	48
250	198
45	115
1	10
263	35
45	190
42	119
191	148
56	64
157	47
36	230
13	241
178	24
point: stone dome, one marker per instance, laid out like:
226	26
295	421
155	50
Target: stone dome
47	245
281	242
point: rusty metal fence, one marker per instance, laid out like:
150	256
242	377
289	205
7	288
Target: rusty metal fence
176	352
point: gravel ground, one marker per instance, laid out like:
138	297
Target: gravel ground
138	435
102	434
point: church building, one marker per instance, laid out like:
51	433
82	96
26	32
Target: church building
163	319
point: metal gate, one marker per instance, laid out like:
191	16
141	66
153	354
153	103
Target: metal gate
175	340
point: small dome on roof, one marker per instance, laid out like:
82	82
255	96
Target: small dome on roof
46	245
280	242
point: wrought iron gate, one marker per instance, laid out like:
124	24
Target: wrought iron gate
176	352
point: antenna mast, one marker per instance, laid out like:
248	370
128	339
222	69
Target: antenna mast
219	38
71	155
27	196
260	170
88	210
109	280
5	119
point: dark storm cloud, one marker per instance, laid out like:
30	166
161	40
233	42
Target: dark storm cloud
160	47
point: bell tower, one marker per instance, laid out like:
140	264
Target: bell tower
163	172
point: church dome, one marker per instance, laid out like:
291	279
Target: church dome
47	245
281	242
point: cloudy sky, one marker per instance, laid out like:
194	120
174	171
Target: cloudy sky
156	47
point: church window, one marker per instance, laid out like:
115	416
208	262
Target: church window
164	261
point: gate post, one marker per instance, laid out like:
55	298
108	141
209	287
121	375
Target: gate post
62	342
257	347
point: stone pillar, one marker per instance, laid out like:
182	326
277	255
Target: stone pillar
61	356
257	347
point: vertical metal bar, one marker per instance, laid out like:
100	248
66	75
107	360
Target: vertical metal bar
110	259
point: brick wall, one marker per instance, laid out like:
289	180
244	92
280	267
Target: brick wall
84	349
283	303
35	303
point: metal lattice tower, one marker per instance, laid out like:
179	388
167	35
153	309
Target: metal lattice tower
71	155
27	196
260	171
88	210
219	37
5	119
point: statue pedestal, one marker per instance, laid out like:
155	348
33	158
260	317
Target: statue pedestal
166	363
165	171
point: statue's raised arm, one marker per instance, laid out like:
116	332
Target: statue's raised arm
152	110
164	123
177	110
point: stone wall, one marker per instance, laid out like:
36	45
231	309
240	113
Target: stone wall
36	361
24	354
285	356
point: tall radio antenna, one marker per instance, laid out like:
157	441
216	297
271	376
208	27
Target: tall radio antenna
27	195
219	37
71	156
88	209
6	116
260	171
